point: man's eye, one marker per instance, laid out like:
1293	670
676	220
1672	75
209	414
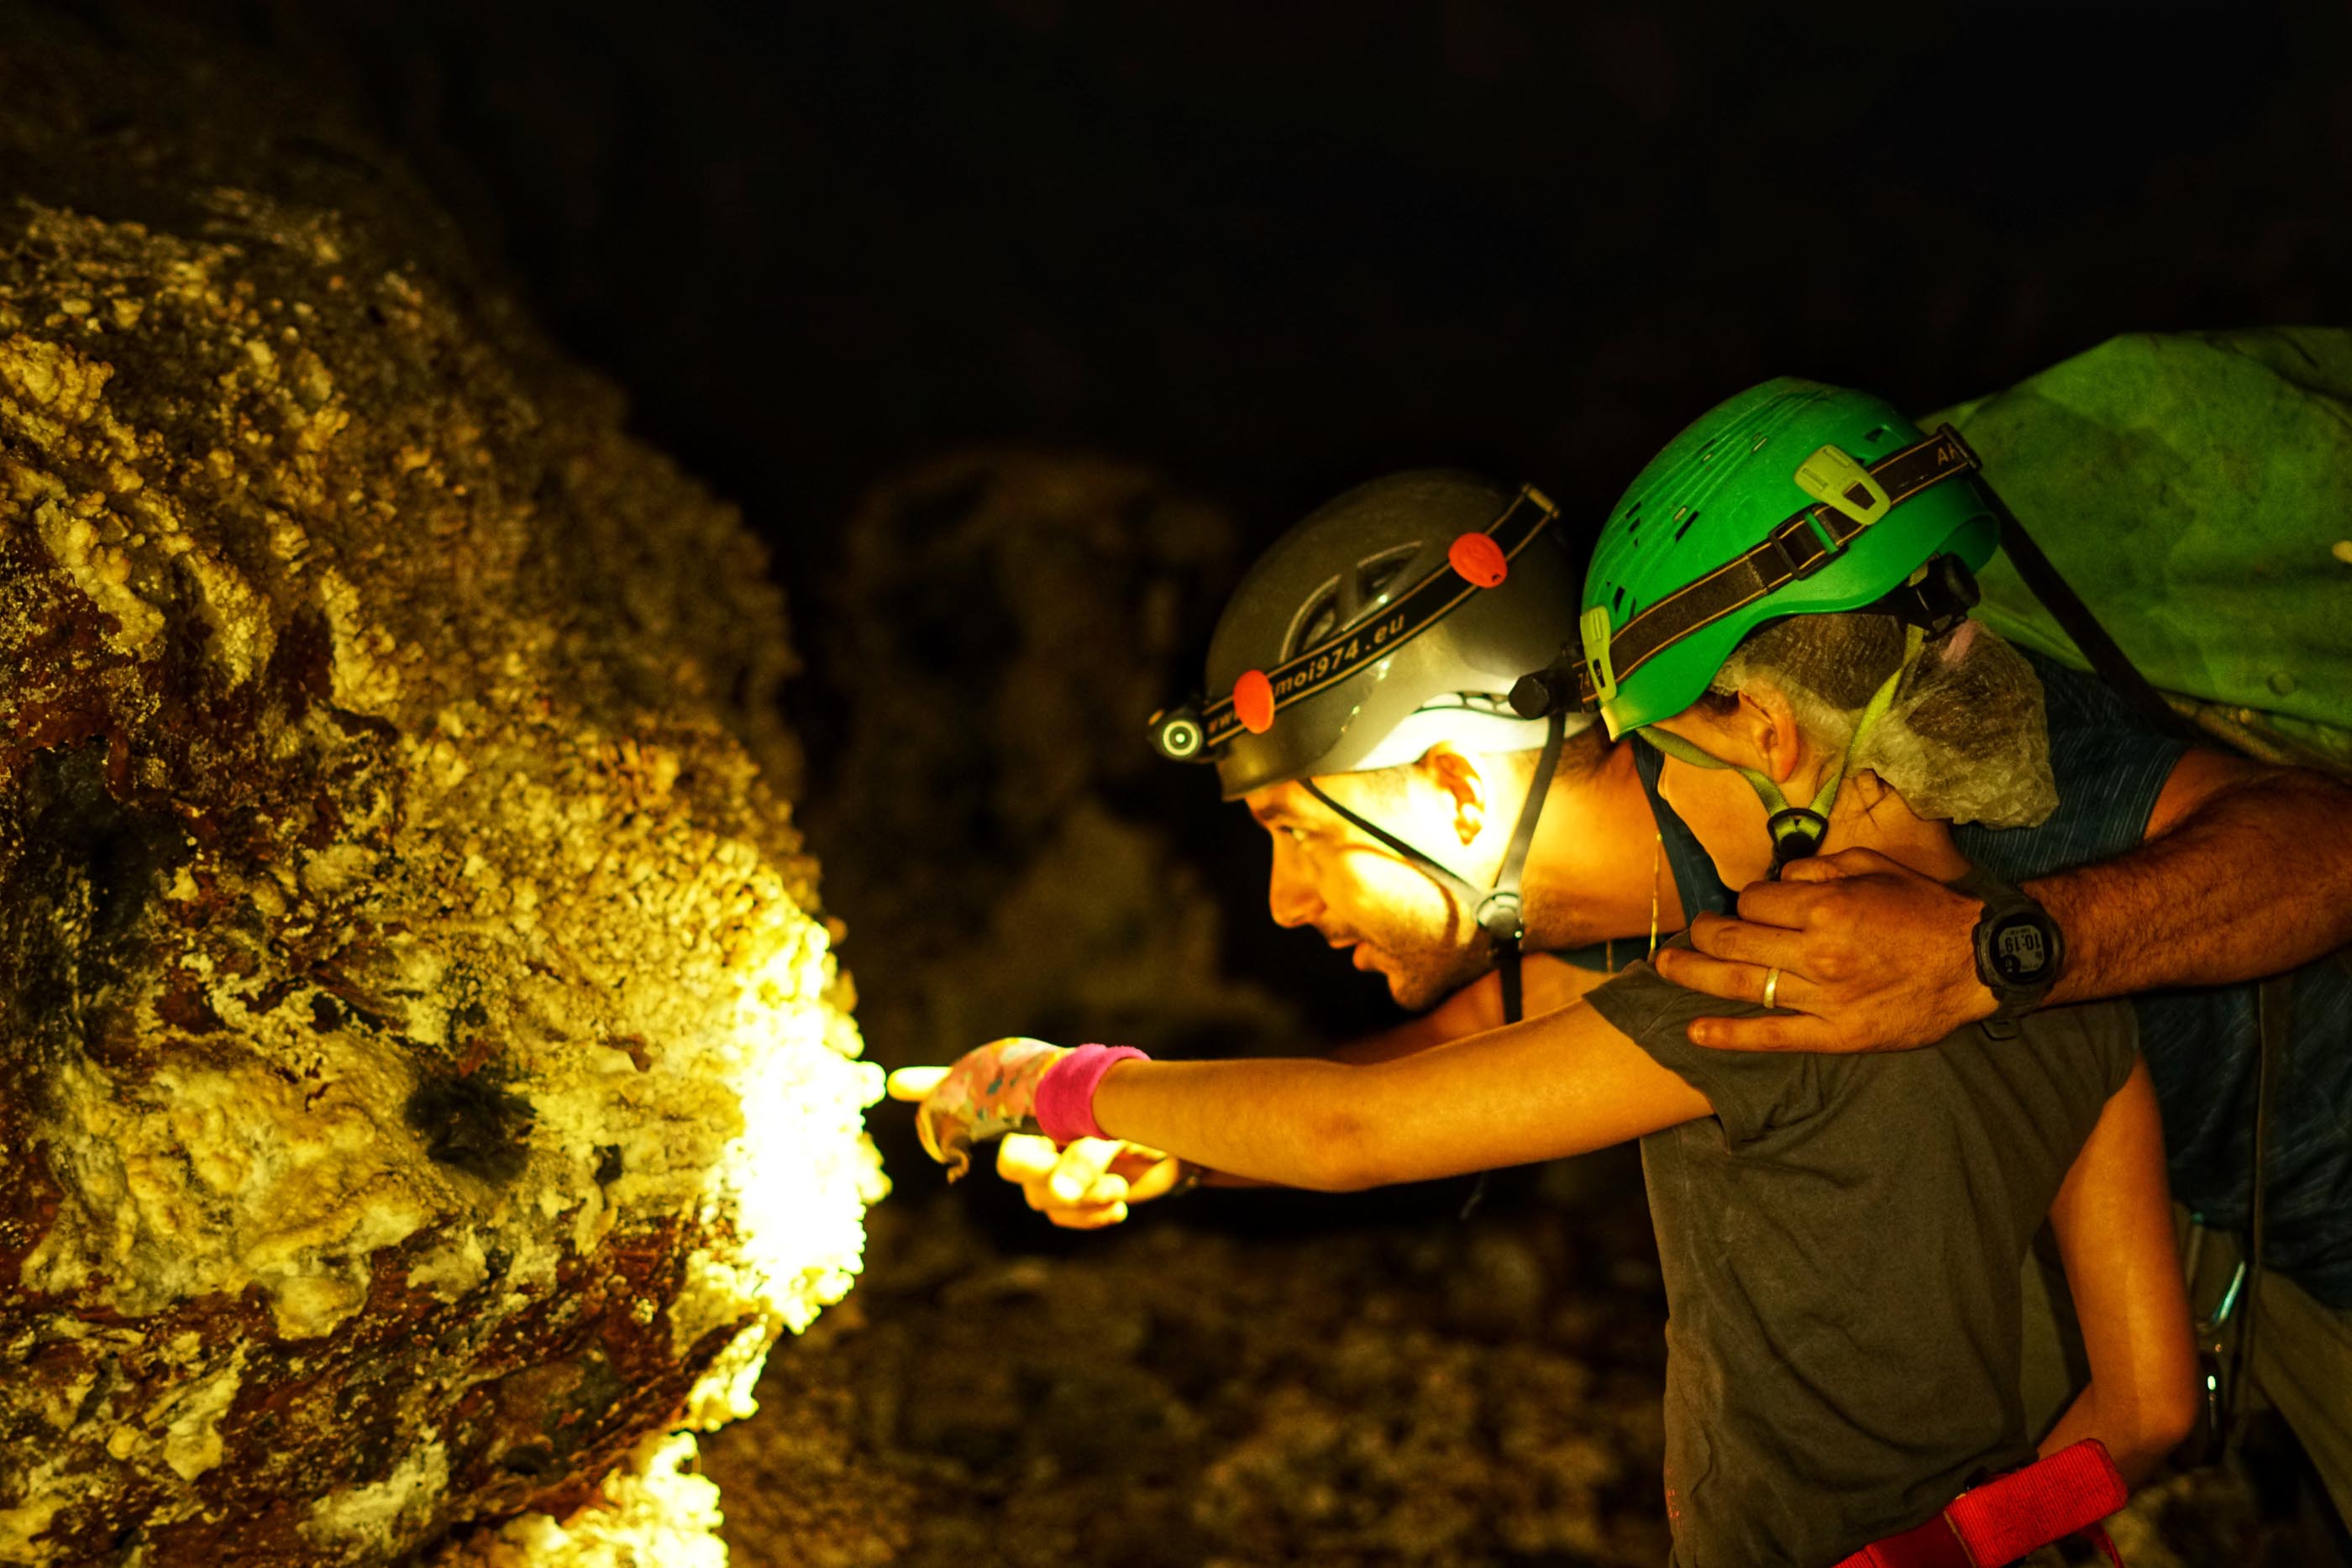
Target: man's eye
1297	835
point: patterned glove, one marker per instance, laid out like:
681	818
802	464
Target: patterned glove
987	1093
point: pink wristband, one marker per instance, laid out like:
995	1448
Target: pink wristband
1065	1102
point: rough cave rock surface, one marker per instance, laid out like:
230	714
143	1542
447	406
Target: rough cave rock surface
423	1080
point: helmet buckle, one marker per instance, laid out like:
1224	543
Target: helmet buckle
1796	834
1500	916
1837	479
1540	694
1937	597
1594	628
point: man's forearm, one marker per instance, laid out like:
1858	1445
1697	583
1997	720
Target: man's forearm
2257	879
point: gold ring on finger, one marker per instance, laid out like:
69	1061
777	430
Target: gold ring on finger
1771	985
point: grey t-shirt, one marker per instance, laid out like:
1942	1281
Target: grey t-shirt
1841	1243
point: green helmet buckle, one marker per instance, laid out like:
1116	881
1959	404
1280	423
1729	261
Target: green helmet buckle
1832	476
1593	627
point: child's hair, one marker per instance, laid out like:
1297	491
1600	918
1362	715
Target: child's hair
1965	740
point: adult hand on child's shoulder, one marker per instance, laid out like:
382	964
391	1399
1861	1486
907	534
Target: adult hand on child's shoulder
1872	957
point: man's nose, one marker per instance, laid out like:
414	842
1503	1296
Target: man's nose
1290	897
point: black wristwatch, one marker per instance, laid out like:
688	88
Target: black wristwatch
2020	952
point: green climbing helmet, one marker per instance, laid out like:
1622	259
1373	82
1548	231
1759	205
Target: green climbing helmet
1398	615
1790	499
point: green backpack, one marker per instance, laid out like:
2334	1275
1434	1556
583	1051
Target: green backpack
2196	490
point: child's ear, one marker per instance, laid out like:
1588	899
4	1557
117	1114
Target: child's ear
1767	723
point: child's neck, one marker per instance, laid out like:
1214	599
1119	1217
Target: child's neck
1871	815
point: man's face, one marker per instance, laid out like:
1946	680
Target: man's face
1397	918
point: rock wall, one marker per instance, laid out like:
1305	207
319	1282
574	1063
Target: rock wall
424	1077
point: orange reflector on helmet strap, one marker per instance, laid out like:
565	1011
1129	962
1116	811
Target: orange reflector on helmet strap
1254	702
1479	560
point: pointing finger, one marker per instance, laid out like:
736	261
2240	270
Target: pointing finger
1024	1157
914	1082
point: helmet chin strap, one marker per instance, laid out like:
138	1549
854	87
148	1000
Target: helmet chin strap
1498	910
1798	830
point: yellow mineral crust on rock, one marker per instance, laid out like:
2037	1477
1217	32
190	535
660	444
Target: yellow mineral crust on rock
428	1083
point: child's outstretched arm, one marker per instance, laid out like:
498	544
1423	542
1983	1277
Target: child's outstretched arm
1558	1084
2114	1221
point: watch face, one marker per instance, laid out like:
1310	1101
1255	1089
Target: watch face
2020	950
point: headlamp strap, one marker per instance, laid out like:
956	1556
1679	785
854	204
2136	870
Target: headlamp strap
1415	611
1454	880
1523	836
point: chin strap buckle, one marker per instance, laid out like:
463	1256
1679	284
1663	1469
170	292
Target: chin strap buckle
1500	917
1796	834
1937	598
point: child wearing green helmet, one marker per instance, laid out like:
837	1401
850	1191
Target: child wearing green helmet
1779	606
1841	1237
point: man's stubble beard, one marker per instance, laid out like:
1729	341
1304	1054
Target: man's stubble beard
1425	974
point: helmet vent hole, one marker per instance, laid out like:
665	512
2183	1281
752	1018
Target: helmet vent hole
1875	435
1380	574
1685	526
1316	624
1617	602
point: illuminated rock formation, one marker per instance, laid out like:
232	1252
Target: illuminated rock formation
424	1079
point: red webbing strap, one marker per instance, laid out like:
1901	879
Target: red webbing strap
2072	1490
1929	1546
2011	1515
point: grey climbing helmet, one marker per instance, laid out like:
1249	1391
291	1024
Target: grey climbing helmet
1400	614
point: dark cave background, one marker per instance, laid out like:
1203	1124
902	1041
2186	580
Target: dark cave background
1271	250
932	288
